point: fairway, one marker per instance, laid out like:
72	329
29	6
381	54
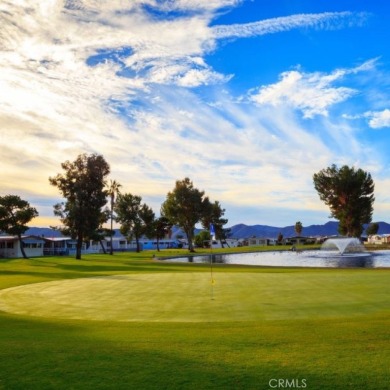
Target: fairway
190	297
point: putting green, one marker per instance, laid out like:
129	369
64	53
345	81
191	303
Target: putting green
190	297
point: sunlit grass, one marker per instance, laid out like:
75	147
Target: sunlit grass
329	327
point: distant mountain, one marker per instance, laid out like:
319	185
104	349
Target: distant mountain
243	231
328	229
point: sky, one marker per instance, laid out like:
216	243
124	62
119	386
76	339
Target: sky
246	98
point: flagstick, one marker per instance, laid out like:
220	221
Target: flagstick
212	233
211	270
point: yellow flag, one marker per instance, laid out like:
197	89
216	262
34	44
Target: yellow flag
212	282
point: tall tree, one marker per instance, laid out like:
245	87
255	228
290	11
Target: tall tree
113	191
136	219
214	215
372	229
82	185
147	217
101	233
203	239
162	228
298	228
349	193
15	214
185	206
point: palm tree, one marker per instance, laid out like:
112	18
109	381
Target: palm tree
113	190
298	228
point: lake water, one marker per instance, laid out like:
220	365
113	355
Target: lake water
377	259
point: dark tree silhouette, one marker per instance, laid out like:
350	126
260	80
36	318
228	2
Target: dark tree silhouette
298	228
112	192
185	206
82	185
136	219
349	193
15	214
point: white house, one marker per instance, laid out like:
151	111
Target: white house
378	239
119	244
59	246
260	241
67	245
163	243
10	246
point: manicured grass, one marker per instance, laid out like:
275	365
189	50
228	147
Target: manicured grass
191	297
327	326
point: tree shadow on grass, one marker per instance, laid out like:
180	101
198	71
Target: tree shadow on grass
39	354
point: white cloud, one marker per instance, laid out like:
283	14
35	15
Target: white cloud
311	93
193	5
378	119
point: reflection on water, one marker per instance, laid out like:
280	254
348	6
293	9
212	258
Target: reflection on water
378	259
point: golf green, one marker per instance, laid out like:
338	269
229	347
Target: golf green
192	297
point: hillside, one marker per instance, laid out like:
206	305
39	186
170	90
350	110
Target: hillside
328	229
245	231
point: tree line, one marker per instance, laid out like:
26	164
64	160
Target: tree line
83	184
82	214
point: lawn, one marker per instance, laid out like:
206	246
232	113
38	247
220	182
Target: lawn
128	321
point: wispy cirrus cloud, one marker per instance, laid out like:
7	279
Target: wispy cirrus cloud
326	20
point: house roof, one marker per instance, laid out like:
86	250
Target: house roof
27	238
57	239
7	238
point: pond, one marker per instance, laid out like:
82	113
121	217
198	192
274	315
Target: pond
377	259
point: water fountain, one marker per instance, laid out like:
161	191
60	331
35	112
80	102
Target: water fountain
344	245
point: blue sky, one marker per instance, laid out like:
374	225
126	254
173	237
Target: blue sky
246	98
